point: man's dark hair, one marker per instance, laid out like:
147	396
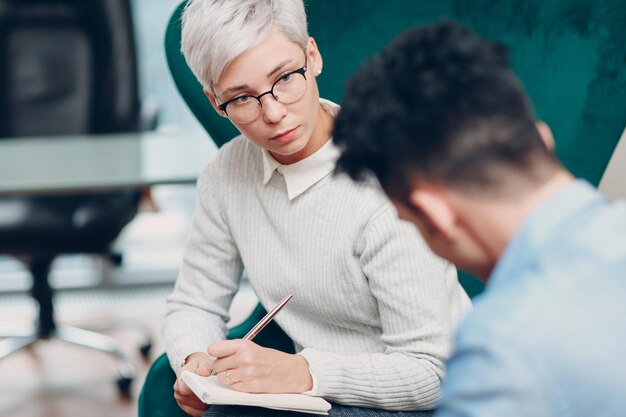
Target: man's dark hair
440	103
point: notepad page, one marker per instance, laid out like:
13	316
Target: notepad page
212	392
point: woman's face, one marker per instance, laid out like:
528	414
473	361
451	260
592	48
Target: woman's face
290	132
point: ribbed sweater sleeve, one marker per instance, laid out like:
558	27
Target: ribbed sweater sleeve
197	310
415	312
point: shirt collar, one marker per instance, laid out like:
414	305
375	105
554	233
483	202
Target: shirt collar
543	226
302	175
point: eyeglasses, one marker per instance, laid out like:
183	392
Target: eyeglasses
289	88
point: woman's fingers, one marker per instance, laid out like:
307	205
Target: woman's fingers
229	377
199	363
233	354
225	348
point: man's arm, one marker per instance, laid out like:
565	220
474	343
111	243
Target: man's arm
490	375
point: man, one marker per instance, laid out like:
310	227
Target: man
443	123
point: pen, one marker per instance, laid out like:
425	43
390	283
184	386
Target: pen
265	320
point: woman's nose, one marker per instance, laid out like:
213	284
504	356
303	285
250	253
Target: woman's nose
273	110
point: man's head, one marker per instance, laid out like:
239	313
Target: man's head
258	67
440	110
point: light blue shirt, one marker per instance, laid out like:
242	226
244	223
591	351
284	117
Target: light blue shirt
548	335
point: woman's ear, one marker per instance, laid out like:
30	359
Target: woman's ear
213	101
436	210
546	135
314	57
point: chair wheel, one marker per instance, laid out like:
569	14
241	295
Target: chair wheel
123	384
145	350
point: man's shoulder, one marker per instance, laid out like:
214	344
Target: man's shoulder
543	338
599	234
512	312
545	308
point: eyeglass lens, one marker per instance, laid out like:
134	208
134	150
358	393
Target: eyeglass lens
287	89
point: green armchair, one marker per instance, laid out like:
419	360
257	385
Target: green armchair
569	54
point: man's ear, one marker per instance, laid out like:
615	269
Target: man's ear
437	211
546	135
213	101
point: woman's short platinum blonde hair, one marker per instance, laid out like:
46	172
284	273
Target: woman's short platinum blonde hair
215	32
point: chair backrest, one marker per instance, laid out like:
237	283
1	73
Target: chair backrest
67	67
569	54
220	129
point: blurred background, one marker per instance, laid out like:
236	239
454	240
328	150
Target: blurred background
118	289
106	244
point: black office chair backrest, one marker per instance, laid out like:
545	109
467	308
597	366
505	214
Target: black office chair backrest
67	67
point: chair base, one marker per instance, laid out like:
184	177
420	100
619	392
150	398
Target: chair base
46	327
80	337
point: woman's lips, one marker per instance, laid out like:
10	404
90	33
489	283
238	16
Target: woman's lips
285	136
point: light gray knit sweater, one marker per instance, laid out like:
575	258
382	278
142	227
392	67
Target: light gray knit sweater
374	310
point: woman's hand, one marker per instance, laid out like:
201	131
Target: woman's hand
201	364
245	366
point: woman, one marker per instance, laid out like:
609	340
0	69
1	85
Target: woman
370	319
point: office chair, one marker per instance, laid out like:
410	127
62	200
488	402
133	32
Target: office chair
568	53
66	67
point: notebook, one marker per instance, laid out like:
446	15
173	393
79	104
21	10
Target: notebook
212	392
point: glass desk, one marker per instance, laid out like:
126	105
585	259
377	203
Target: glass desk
79	163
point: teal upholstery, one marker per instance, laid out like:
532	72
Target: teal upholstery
569	54
219	128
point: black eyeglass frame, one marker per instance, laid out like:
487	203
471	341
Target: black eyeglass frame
301	71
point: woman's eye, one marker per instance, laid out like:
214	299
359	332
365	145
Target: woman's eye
285	78
240	101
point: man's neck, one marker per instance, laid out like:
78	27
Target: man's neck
494	223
